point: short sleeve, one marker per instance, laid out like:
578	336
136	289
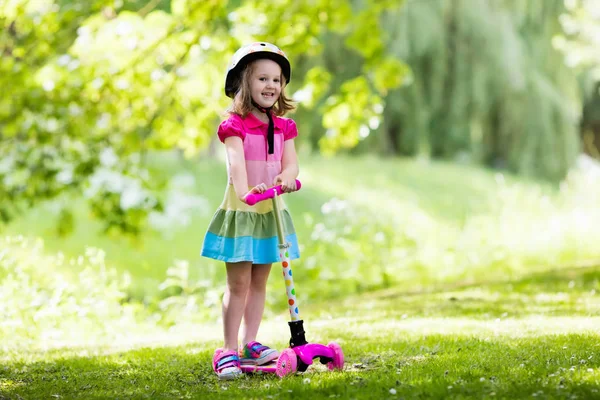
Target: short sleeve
232	126
291	131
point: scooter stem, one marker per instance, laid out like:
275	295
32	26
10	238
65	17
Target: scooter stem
285	261
296	324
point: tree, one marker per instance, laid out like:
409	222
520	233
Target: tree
580	42
487	86
94	85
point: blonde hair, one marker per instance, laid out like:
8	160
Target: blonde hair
242	101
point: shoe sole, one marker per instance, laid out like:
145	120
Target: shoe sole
267	359
258	361
228	377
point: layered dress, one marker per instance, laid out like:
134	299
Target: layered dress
239	232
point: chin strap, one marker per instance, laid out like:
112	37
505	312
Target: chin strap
271	129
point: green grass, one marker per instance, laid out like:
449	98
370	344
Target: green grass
438	189
438	280
366	223
532	338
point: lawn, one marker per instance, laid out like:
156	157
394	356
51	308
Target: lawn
532	338
438	280
364	223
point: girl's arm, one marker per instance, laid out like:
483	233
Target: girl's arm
289	167
237	168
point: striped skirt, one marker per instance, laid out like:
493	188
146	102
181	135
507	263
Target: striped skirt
239	232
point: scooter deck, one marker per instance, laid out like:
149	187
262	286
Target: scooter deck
253	368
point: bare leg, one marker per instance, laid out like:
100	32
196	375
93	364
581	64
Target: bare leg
234	300
255	301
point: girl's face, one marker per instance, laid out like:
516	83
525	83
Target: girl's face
265	82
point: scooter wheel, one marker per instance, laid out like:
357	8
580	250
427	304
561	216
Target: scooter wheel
338	357
287	363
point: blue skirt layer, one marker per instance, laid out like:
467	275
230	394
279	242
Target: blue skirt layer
247	248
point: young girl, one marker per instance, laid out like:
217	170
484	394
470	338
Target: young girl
260	153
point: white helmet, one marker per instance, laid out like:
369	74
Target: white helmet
249	53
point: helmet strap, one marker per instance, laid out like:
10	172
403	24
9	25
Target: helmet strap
271	129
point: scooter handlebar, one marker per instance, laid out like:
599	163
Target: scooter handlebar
254	198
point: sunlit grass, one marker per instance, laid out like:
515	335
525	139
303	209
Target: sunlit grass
443	222
72	335
438	280
393	350
365	224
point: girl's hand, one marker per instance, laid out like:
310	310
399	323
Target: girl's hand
256	189
288	183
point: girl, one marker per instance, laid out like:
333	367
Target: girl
260	153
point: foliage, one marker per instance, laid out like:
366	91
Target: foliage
376	240
580	39
487	86
408	226
54	299
494	275
481	82
580	42
85	78
187	299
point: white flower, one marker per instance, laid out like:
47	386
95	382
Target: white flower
364	131
52	125
64	60
84	31
104	121
205	42
108	158
73	65
374	122
6	163
183	181
97	83
65	176
48	85
122	84
123	28
132	196
157	74
74	109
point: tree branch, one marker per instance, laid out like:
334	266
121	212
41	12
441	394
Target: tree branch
148	8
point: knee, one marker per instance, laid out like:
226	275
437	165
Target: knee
239	286
258	285
260	276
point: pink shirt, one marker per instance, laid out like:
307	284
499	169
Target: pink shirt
260	166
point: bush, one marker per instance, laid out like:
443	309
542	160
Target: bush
50	299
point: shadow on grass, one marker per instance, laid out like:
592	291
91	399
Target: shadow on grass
436	344
436	366
442	191
564	292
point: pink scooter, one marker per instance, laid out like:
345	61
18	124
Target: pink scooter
300	354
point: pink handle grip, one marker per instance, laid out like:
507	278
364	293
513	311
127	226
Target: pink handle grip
254	198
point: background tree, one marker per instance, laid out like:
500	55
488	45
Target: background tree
580	42
92	87
487	86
